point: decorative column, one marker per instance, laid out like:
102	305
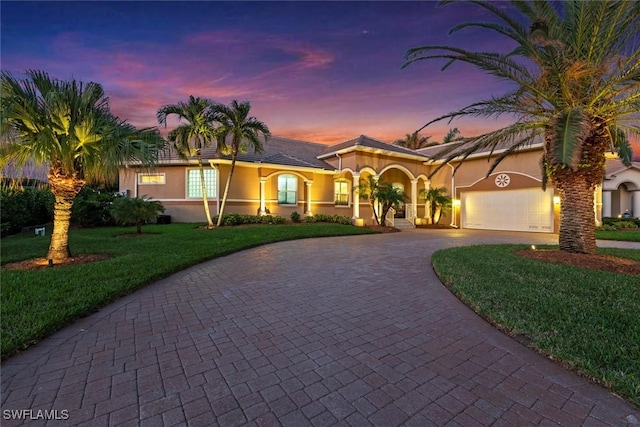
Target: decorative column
263	208
606	203
309	184
635	204
427	187
414	198
356	196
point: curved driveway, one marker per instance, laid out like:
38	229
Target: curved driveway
336	331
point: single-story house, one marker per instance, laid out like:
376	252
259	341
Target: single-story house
311	178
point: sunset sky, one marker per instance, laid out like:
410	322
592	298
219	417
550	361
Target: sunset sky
317	71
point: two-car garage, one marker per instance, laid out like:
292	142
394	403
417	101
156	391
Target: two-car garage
527	209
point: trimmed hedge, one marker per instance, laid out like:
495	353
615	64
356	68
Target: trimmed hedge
336	219
239	219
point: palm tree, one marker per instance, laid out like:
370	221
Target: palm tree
135	210
451	136
189	139
414	141
68	126
575	74
244	132
437	199
381	196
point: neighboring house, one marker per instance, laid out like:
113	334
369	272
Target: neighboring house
310	178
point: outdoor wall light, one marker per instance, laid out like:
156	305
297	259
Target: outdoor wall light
456	202
556	200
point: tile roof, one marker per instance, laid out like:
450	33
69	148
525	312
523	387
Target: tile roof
614	165
277	150
365	141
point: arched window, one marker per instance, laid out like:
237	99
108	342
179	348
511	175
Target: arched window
287	189
341	190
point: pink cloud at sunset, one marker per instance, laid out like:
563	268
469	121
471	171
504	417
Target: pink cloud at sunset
321	71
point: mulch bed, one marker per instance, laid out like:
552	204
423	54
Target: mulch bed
42	263
592	262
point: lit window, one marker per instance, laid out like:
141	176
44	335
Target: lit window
151	178
194	186
287	190
341	189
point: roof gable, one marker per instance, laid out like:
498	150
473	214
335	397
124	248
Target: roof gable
366	142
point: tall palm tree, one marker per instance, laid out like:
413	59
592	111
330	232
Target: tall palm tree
189	139
68	126
238	132
575	74
414	141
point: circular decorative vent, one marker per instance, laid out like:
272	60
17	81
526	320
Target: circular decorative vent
502	180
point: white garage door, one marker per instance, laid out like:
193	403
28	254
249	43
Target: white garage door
514	210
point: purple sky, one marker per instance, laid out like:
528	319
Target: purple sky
317	71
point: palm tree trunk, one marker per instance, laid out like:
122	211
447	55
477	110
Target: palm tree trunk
577	218
234	156
64	191
203	186
576	188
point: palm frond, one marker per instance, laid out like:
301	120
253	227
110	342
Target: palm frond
569	131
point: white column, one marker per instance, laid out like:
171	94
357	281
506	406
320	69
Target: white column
427	187
309	184
635	204
263	208
606	203
356	196
414	197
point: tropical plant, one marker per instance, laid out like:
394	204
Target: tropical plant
135	211
575	79
438	201
189	139
243	132
381	196
68	126
414	141
451	136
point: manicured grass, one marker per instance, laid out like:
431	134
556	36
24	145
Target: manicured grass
36	303
624	235
586	319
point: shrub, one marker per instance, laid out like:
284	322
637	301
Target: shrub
92	208
135	211
606	227
295	216
23	207
613	224
239	219
625	224
336	219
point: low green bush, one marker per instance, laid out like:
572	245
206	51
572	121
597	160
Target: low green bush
239	219
606	227
295	216
615	221
335	219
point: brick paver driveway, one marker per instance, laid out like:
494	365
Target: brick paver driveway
337	331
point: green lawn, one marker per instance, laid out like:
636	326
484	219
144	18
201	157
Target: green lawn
33	304
624	235
587	319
